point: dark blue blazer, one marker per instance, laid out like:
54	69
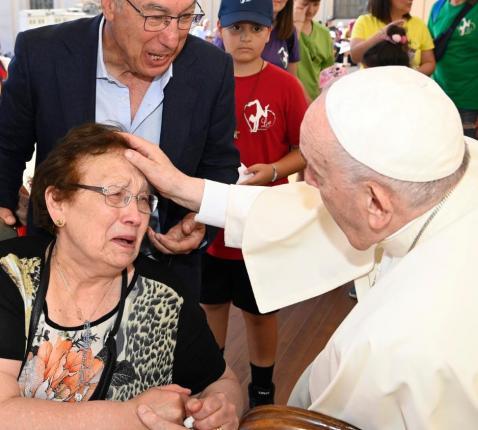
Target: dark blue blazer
52	87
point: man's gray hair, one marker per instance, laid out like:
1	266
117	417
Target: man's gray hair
415	194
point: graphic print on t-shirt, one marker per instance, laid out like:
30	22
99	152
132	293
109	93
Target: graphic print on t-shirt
284	57
466	26
257	117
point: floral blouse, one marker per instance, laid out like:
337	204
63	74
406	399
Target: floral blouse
163	336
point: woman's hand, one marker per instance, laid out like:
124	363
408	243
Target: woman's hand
212	412
153	421
358	47
262	174
167	403
383	31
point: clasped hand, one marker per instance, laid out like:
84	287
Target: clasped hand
209	413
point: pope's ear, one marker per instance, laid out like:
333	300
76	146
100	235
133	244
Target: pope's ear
379	206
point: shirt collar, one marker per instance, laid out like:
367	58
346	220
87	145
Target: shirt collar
462	200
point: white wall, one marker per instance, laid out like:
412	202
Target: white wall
9	18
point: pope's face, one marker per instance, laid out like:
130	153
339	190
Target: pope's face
340	197
145	54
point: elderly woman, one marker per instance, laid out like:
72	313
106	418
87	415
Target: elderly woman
371	28
86	317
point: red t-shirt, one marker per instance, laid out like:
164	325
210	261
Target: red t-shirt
3	72
270	106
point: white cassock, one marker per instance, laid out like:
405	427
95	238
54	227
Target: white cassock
406	357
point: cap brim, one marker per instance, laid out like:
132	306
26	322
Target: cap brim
233	18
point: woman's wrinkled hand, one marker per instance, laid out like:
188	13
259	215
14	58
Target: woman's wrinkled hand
167	402
212	412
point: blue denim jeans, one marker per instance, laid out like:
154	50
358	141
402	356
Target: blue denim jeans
469	119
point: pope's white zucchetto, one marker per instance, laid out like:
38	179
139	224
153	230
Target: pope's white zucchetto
398	122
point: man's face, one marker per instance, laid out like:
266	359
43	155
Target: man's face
146	54
341	198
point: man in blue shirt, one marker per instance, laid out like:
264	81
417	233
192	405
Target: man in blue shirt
135	66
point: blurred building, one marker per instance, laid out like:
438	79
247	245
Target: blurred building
18	15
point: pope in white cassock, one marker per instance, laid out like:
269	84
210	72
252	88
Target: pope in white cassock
399	182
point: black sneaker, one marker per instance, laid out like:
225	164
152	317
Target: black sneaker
260	396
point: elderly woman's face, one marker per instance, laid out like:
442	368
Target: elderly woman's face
101	234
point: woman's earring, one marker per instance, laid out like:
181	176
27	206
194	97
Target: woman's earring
60	223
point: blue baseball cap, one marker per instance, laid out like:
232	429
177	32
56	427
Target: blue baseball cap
256	11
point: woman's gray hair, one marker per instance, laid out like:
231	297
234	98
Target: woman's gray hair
415	194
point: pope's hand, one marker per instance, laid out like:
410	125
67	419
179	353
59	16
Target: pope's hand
153	162
183	238
162	174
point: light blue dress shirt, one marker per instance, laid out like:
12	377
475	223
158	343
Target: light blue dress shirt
113	101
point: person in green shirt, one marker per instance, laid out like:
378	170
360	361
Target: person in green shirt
456	72
316	46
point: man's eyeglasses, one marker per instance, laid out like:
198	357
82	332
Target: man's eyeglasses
119	197
160	22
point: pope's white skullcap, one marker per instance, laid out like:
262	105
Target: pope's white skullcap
398	122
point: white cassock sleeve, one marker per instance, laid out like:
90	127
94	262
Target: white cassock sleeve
292	247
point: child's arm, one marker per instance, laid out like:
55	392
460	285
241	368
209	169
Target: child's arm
264	173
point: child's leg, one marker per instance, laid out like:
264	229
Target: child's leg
217	318
216	295
261	339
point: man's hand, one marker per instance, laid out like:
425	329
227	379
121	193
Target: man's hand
6	215
212	412
162	174
183	238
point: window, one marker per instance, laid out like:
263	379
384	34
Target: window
346	9
41	4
